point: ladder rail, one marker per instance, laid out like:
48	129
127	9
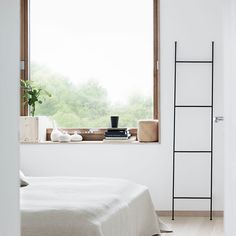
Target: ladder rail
173	183
212	128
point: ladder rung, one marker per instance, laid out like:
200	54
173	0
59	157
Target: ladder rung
192	197
194	62
207	106
192	151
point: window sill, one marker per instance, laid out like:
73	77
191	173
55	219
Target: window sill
92	142
97	135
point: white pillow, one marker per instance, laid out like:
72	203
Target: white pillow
23	182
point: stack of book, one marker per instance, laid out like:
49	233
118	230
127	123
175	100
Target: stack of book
117	134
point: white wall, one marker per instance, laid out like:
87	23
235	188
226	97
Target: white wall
230	113
194	23
9	100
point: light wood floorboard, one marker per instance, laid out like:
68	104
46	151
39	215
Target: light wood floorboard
195	226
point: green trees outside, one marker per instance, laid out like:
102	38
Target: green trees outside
85	105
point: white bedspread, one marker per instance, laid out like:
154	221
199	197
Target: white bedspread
65	206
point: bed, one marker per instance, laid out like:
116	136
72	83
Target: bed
70	206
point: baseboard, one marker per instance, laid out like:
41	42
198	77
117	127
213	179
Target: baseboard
191	213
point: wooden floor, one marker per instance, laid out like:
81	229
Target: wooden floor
195	226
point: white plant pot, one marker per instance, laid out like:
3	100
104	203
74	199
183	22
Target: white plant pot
33	129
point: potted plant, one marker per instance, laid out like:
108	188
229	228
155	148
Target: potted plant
33	129
33	94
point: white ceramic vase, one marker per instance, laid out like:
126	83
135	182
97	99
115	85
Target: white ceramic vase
56	133
76	137
64	137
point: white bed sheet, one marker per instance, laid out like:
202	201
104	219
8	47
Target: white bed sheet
68	206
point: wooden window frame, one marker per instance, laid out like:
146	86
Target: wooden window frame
24	56
156	59
24	51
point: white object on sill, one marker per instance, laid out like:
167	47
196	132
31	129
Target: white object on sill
76	137
33	129
64	137
130	140
91	131
55	133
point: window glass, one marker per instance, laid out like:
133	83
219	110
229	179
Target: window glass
95	58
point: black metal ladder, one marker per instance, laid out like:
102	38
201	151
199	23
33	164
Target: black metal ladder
211	106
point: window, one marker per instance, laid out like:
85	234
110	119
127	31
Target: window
96	58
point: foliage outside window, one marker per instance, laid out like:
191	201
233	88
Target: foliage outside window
86	105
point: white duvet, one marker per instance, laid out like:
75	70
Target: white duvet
65	206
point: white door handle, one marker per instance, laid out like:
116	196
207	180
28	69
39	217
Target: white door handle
218	119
